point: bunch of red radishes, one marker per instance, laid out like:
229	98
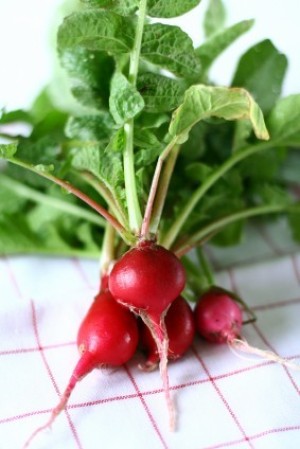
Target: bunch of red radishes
146	282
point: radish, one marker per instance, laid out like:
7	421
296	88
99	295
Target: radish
147	279
219	319
108	335
180	325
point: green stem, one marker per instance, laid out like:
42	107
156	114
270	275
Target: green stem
76	192
106	195
210	181
135	54
216	226
161	190
108	249
51	201
134	210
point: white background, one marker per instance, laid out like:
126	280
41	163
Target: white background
25	42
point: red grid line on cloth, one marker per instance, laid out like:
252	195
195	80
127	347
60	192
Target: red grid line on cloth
267	306
148	392
50	374
262	336
40	349
12	277
267	343
139	395
146	408
255	436
221	396
274	305
176	387
44	348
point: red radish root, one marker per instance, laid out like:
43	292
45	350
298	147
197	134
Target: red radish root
218	317
147	279
180	325
107	335
219	320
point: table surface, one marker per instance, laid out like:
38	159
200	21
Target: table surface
223	399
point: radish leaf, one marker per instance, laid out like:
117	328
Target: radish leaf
170	48
160	93
216	44
201	102
214	18
284	121
125	102
123	7
170	8
96	30
261	71
7	150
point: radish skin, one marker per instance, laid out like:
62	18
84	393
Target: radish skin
147	279
180	325
108	335
219	319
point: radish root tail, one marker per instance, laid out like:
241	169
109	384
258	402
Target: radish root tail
160	335
55	412
243	345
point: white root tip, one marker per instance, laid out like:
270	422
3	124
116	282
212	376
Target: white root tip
160	336
243	345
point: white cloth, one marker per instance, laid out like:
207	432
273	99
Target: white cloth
222	400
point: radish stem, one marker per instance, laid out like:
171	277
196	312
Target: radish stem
209	230
158	192
51	201
134	210
209	182
82	196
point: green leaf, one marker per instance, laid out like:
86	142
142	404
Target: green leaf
16	236
170	48
123	7
230	235
201	102
170	8
261	71
96	30
96	128
216	44
144	138
125	102
44	168
197	171
196	146
160	93
272	194
92	68
264	166
284	121
42	106
87	97
7	150
45	151
90	73
214	18
151	120
19	115
10	202
106	165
